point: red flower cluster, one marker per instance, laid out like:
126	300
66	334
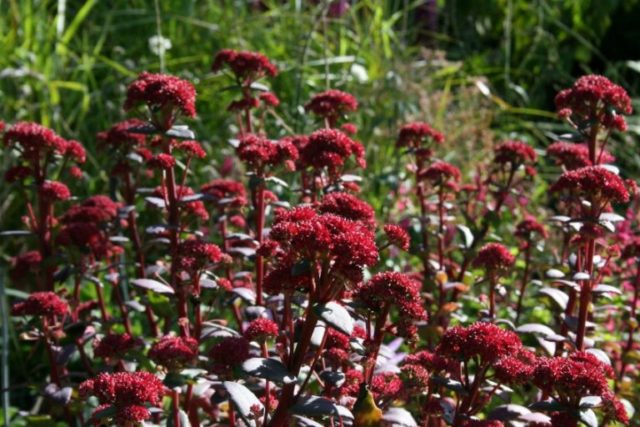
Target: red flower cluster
194	255
230	351
54	191
529	226
331	104
388	289
397	236
191	149
348	206
515	153
259	152
482	339
440	172
34	140
247	66
598	184
162	161
174	352
87	235
416	135
386	385
595	98
493	257
575	156
270	99
306	235
225	192
41	304
24	264
120	135
114	345
97	209
162	93
329	148
260	329
578	375
126	392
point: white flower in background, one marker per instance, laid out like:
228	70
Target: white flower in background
359	73
159	45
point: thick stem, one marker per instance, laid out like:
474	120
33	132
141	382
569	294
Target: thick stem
175	407
259	212
525	279
585	296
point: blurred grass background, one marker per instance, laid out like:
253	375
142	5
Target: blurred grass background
477	70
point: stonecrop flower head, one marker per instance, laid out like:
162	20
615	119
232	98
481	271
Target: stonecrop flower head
225	192
306	235
439	173
115	345
97	209
399	290
331	104
418	137
166	96
259	152
575	156
34	140
581	374
515	153
261	329
122	135
482	339
596	99
528	227
330	148
230	351
599	185
54	191
494	257
127	393
41	304
247	66
397	236
25	264
194	255
174	352
87	236
348	206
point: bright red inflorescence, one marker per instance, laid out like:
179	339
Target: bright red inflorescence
98	209
306	235
348	206
194	255
261	329
493	257
417	135
578	375
24	264
76	151
330	148
388	289
41	304
516	368
126	392
230	351
597	183
386	385
440	172
162	93
162	161
529	226
114	345
225	192
397	236
87	235
247	66
331	104
54	191
259	152
575	156
515	153
34	140
121	135
191	149
482	339
595	98
174	352
270	99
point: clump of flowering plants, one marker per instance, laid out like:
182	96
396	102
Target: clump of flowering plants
273	294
